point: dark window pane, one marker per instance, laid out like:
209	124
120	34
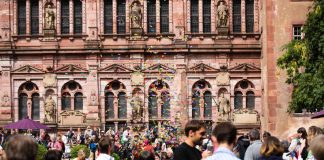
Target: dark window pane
249	14
206	16
109	105
166	105
21	17
66	101
78	101
196	105
238	100
23	106
152	105
151	16
194	14
65	14
77	16
35	106
122	105
34	16
121	16
237	16
164	16
208	104
108	16
250	100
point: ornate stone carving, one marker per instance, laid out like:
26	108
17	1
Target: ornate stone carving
49	109
72	118
246	116
137	108
223	79
224	108
49	15
136	15
93	98
137	79
222	14
5	100
49	80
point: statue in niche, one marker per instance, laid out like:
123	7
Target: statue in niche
49	17
5	100
222	14
224	108
49	109
137	111
136	15
93	98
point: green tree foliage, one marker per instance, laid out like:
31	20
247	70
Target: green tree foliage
303	61
41	151
75	150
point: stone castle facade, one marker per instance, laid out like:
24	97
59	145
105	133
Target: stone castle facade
112	63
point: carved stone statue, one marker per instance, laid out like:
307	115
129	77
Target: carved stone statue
5	100
224	107
222	14
49	109
137	111
93	98
49	17
136	15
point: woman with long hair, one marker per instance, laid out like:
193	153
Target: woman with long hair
271	149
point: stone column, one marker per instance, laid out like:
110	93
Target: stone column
181	79
6	102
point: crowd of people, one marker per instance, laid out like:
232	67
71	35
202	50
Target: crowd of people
165	143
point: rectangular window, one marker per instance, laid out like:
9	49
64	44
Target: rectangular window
121	16
65	15
21	17
206	16
34	18
151	16
297	33
164	16
249	15
194	16
237	16
77	17
108	16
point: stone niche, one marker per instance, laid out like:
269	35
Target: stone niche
246	116
72	118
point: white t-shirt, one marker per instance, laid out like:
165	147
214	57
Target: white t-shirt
103	156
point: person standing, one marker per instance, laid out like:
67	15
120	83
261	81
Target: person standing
195	131
104	148
225	133
253	151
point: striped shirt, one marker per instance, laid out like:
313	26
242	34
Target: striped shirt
223	153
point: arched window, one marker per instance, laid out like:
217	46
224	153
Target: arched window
109	105
23	106
238	100
35	106
78	101
152	104
236	15
250	100
196	104
66	101
122	105
249	15
165	108
208	104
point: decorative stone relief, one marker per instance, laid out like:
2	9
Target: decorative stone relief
224	108
137	78
246	116
137	108
223	79
72	118
49	80
93	98
5	100
49	106
136	20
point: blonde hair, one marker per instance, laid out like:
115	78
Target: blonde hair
318	147
313	131
81	155
271	147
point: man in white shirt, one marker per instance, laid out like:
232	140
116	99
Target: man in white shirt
104	148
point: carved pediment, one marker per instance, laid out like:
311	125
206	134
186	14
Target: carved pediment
201	67
71	69
115	68
245	67
159	68
27	69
